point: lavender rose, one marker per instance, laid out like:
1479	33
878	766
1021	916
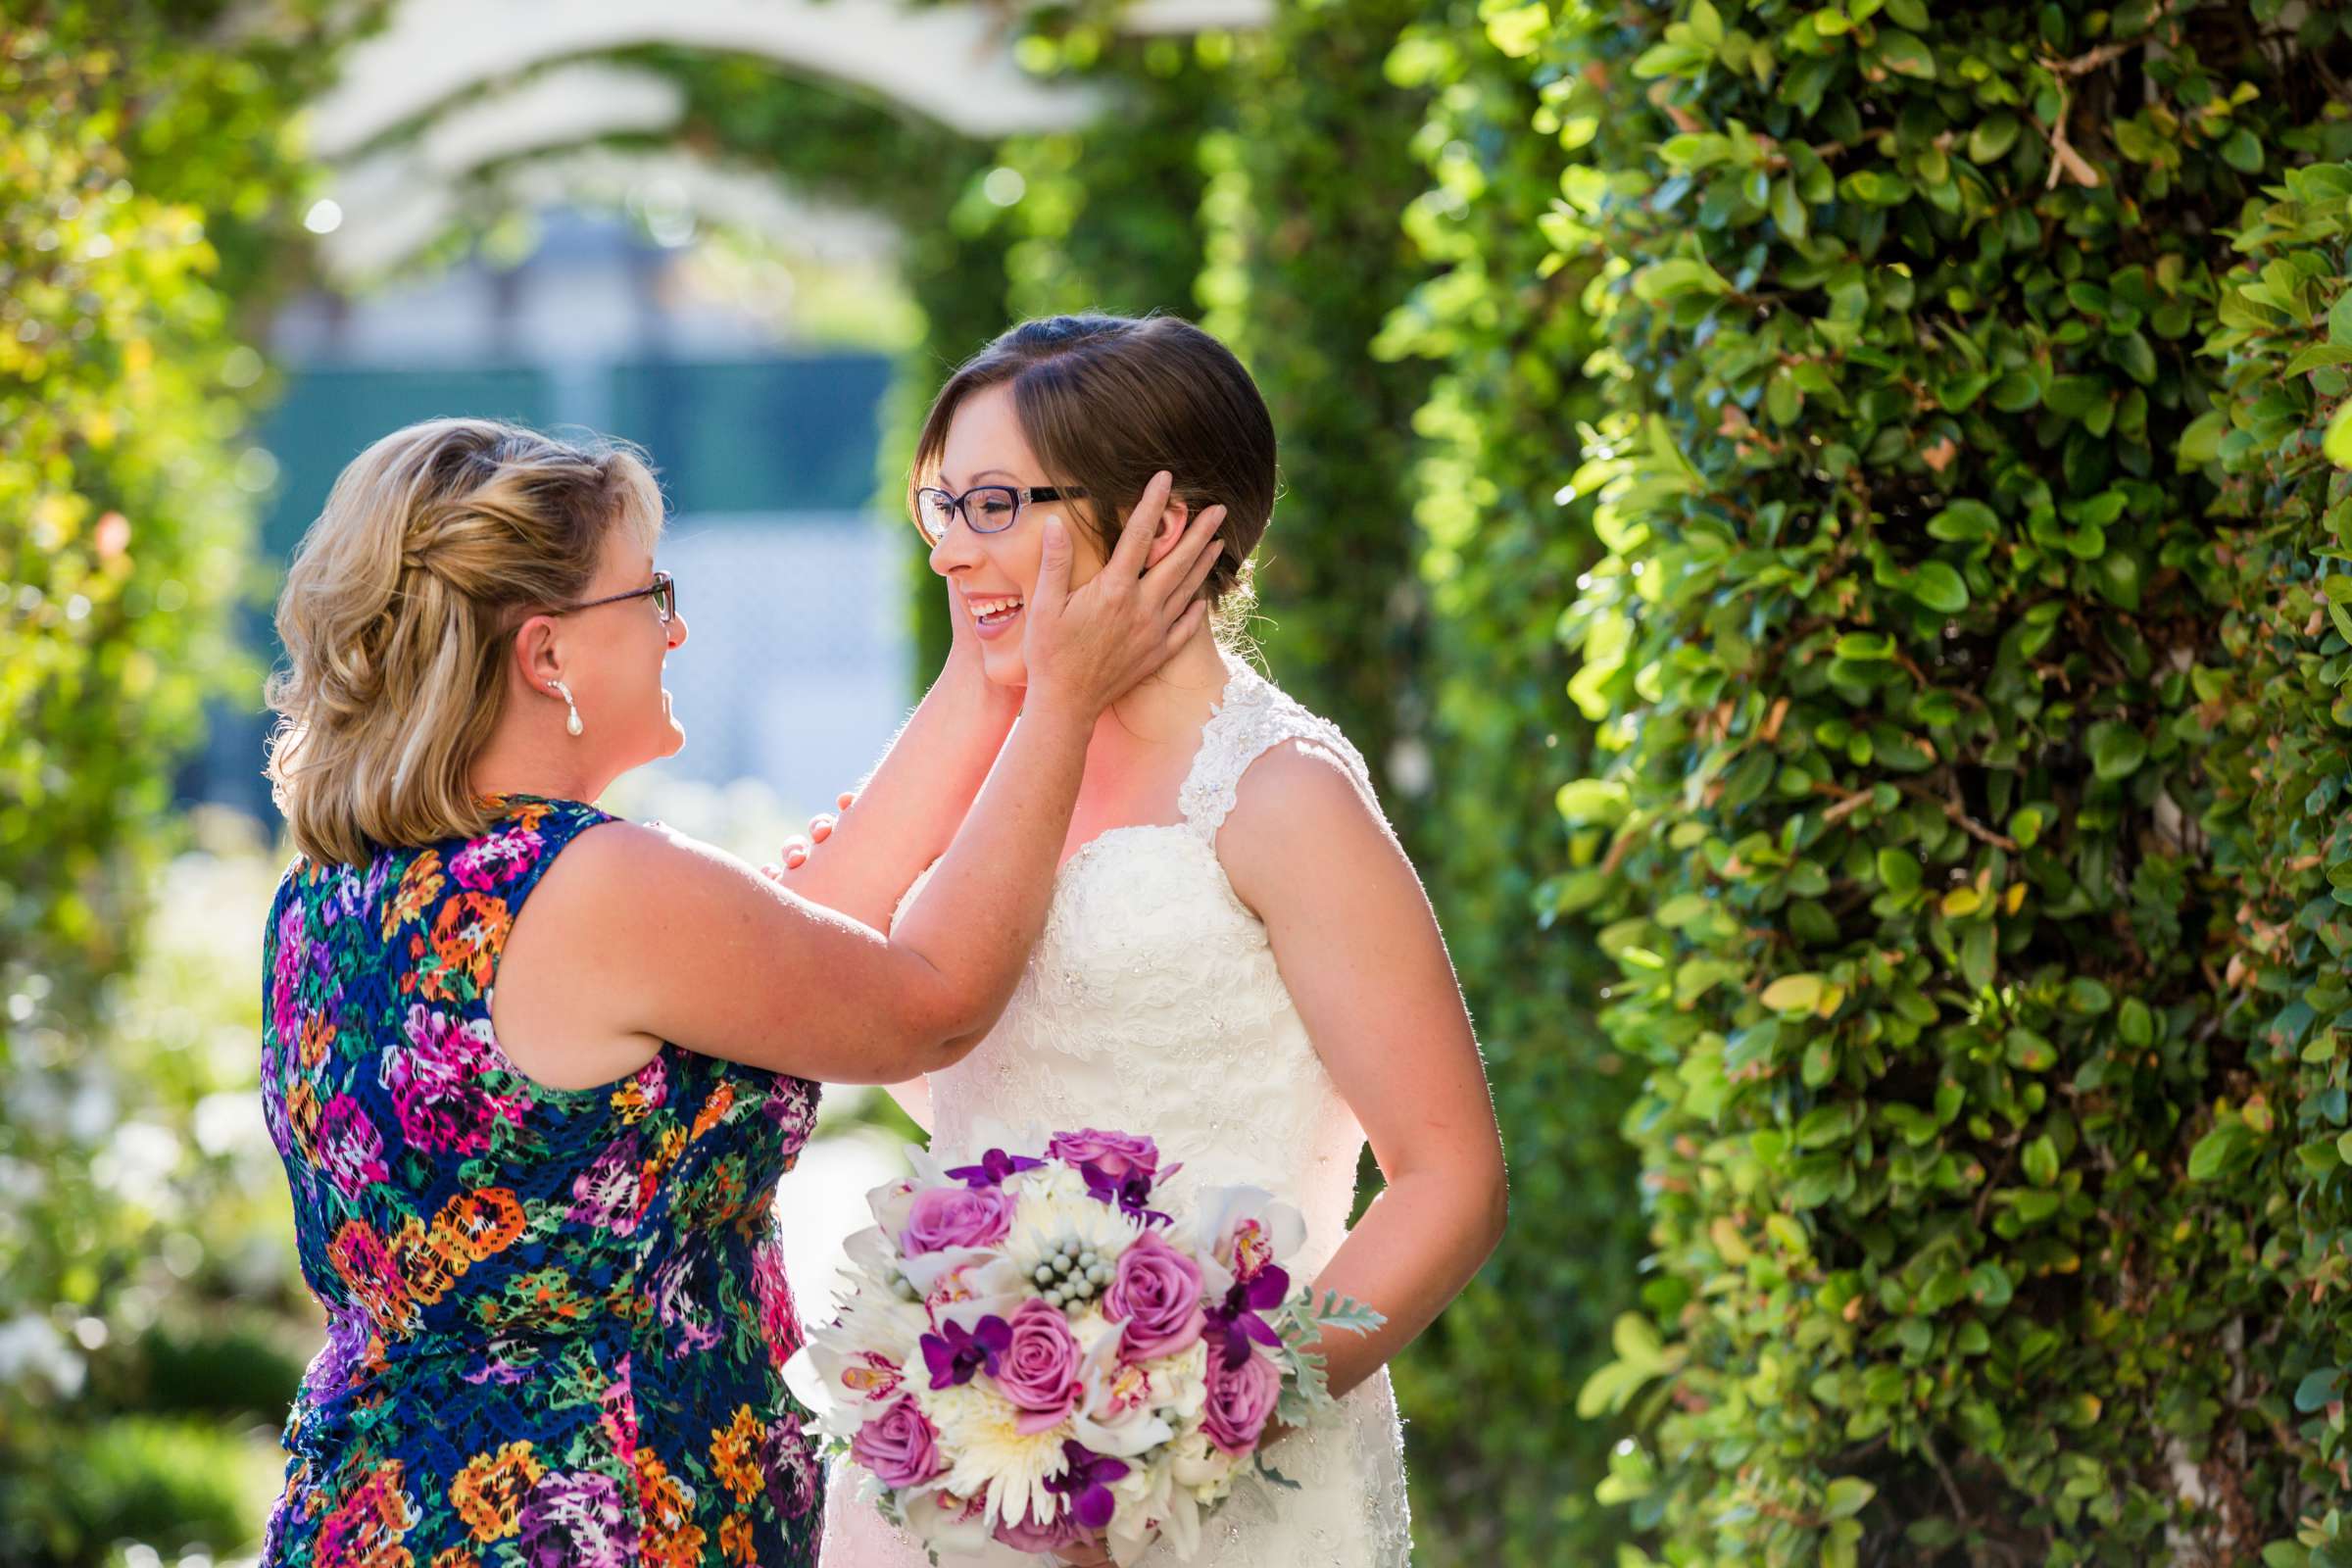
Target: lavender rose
898	1446
942	1217
1155	1292
1114	1154
1027	1535
1239	1403
1039	1371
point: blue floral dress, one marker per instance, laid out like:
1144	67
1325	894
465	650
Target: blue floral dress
556	1319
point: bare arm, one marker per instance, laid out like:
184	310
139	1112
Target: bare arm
684	943
1362	955
904	817
905	813
724	961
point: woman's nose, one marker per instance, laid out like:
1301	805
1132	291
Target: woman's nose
957	548
677	630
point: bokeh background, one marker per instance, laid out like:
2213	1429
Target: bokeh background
1827	519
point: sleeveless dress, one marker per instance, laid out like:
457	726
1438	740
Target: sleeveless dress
556	1319
1154	989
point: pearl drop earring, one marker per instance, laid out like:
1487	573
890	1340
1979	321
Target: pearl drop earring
571	724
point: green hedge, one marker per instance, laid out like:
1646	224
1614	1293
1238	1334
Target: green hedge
2277	733
1500	552
1902	660
1307	176
1104	219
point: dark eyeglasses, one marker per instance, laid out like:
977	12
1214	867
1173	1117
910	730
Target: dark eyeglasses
662	591
983	507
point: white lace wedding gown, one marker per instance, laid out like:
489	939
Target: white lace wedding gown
1152	1005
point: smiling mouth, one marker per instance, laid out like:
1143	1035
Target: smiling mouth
993	613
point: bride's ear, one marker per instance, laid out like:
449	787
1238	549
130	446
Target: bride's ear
1172	519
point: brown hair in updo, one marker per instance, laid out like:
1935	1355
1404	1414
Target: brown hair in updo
1108	401
397	611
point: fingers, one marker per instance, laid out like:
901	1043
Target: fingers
1183	568
1054	571
1212	551
1188	626
820	828
846	799
1135	544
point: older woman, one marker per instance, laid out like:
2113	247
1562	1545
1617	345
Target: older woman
534	1086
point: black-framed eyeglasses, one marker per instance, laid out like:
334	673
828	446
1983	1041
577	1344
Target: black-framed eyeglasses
662	591
983	507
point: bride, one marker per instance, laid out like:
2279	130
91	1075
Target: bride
1239	960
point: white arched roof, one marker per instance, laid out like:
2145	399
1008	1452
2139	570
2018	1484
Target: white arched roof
479	82
950	61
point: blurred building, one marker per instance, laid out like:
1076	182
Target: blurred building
797	671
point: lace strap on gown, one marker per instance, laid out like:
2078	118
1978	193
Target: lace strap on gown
1251	718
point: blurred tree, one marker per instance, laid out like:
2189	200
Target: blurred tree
147	188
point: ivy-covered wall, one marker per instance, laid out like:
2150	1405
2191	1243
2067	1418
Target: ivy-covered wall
2275	1134
1309	174
1501	546
1906	660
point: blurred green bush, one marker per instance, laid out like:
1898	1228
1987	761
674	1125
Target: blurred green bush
146	190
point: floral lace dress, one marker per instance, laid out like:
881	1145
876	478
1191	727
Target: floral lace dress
556	1319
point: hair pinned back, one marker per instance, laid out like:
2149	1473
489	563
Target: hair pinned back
396	611
1108	401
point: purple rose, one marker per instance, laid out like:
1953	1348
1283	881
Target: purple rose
898	1446
1240	1400
1027	1535
1114	1154
1039	1372
942	1217
1155	1292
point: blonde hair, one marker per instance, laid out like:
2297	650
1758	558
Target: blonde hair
397	611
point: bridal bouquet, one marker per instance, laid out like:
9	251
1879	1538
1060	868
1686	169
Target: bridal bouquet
1033	1353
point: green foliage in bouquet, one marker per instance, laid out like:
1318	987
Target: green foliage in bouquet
1903	658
